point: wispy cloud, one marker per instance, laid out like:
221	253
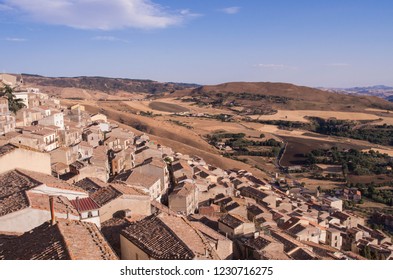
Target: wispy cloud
339	64
189	13
276	66
100	14
13	39
109	39
231	10
5	7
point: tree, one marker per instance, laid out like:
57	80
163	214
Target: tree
14	104
367	253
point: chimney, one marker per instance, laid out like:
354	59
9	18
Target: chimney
52	210
77	203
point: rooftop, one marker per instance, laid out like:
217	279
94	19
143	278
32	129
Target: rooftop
340	215
61	203
13	187
50	181
170	237
84	204
127	189
184	189
138	178
302	254
156	239
5	149
66	240
254	209
232	220
157	162
296	229
254	192
207	231
78	165
258	243
105	195
181	165
91	185
111	230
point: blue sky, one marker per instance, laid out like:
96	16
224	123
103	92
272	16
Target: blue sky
335	43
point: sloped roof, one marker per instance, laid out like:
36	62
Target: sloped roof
156	239
169	237
66	240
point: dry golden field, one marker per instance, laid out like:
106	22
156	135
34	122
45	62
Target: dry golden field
299	115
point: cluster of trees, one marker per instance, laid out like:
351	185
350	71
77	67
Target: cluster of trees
372	191
370	255
287	124
217	137
353	161
241	145
375	134
179	123
378	134
14	104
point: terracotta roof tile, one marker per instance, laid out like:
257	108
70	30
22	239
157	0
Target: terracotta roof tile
156	239
42	243
5	149
139	178
91	185
66	240
111	230
232	220
258	243
184	189
105	195
302	254
41	202
208	231
171	237
84	204
128	190
13	185
50	181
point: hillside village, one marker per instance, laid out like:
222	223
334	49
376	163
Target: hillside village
75	185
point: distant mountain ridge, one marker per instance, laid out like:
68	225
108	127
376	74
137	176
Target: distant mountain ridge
105	84
381	91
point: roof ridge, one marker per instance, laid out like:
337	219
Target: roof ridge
200	234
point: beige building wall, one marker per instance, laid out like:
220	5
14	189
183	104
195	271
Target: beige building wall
230	232
224	249
137	205
178	204
131	252
27	219
92	171
26	159
62	155
245	228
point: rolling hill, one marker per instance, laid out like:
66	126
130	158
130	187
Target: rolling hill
281	96
105	85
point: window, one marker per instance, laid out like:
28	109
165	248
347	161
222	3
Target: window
89	214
